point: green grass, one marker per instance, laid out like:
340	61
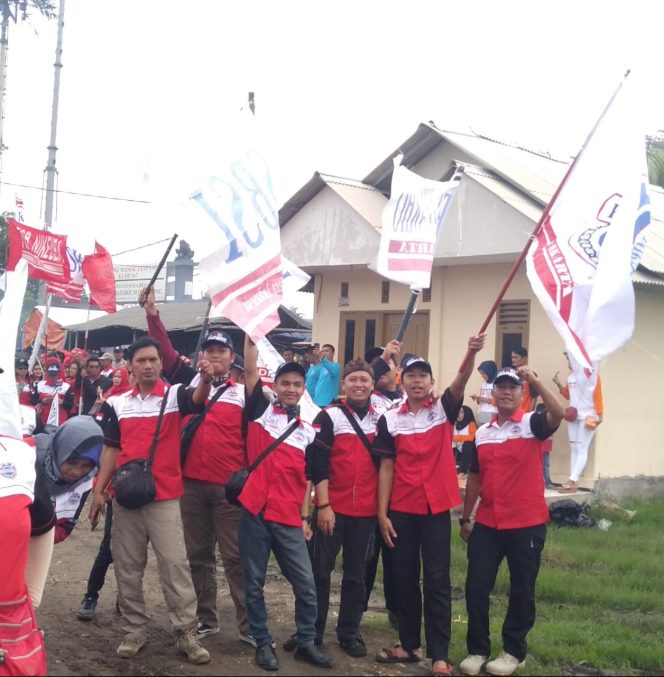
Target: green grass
600	597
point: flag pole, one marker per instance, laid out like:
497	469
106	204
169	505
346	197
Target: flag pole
410	309
40	334
85	349
522	256
203	331
161	264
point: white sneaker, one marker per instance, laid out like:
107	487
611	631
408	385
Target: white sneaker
505	664
473	664
203	630
249	639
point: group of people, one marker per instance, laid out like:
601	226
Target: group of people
68	385
374	474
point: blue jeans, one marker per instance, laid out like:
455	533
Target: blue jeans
257	538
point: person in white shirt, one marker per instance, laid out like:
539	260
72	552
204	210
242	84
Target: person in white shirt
486	409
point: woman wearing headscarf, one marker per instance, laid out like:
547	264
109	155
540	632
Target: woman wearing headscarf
486	409
68	459
464	438
120	384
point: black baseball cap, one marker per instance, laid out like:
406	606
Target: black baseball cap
288	367
22	364
510	374
118	349
238	363
416	362
217	336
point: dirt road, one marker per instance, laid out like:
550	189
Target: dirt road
78	648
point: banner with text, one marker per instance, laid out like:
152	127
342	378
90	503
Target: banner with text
244	275
411	223
45	252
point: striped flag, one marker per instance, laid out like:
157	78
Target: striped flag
243	275
72	290
580	266
411	223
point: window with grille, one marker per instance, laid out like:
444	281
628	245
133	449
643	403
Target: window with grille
385	292
512	324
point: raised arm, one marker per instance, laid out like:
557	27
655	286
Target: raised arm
554	407
251	375
458	385
172	364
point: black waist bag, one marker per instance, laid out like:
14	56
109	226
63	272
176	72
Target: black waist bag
133	482
239	478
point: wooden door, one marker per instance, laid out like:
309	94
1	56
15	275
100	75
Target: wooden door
416	339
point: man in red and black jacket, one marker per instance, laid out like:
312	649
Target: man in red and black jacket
505	473
275	514
216	451
345	475
417	488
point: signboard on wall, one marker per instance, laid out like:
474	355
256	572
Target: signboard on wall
131	279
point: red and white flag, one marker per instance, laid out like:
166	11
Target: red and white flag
72	290
244	275
411	223
45	252
580	266
98	271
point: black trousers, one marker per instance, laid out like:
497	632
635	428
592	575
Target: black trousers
430	535
486	550
104	557
356	536
389	582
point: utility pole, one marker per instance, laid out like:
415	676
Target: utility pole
51	172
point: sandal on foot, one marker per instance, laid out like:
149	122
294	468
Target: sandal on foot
391	655
442	672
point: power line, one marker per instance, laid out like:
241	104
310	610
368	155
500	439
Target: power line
143	246
71	192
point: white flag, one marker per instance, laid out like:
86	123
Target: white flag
293	278
54	412
411	223
10	314
580	266
244	275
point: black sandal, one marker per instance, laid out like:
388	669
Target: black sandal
391	655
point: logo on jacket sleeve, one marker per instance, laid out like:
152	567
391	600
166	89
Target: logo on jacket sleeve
8	470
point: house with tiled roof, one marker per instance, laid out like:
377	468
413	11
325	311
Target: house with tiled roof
331	229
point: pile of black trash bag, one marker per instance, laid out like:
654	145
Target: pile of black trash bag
569	513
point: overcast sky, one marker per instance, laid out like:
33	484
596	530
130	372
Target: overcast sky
339	85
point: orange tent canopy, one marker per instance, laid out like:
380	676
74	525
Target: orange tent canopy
54	336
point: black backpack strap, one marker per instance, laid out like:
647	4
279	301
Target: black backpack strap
274	445
155	439
356	427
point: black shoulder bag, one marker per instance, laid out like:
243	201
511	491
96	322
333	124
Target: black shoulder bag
133	481
194	423
356	427
239	478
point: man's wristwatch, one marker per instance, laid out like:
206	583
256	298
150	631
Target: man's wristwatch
464	520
